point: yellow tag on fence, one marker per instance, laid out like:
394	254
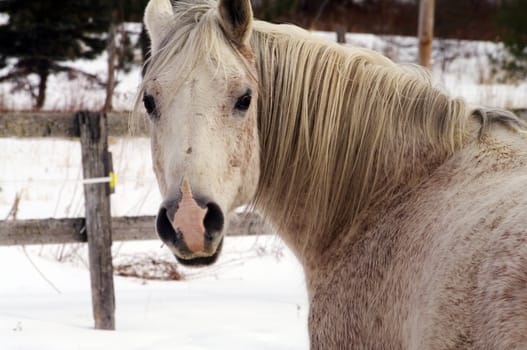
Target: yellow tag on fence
113	179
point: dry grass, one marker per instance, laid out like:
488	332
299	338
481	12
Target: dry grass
147	267
13	212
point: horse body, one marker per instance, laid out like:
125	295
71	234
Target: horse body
443	268
403	205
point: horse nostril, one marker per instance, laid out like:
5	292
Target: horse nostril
164	227
213	220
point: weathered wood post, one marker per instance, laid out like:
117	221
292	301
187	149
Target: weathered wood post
341	34
425	31
94	143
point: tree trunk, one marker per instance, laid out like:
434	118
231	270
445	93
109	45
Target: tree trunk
43	72
144	41
110	82
341	34
426	31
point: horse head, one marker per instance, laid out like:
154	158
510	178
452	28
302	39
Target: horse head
200	92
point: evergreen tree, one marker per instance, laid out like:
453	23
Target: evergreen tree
512	28
41	35
512	25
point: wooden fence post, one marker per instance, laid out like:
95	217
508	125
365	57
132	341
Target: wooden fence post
425	31
341	34
94	143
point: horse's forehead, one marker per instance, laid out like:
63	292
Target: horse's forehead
219	57
202	70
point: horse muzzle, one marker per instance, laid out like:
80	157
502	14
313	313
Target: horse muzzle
191	226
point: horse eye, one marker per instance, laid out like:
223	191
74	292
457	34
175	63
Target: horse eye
244	102
150	104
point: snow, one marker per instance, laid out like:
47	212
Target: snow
252	298
248	301
4	18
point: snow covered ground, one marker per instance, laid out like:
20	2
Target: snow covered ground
253	298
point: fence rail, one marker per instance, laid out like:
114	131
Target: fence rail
125	228
61	124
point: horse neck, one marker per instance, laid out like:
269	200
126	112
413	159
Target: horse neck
325	165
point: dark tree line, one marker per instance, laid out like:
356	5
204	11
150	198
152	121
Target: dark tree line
512	26
512	22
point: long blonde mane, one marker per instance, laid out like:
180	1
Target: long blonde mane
344	127
340	128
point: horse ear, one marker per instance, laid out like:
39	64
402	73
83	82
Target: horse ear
236	18
159	16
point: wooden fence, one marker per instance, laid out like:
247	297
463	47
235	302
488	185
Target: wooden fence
98	228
